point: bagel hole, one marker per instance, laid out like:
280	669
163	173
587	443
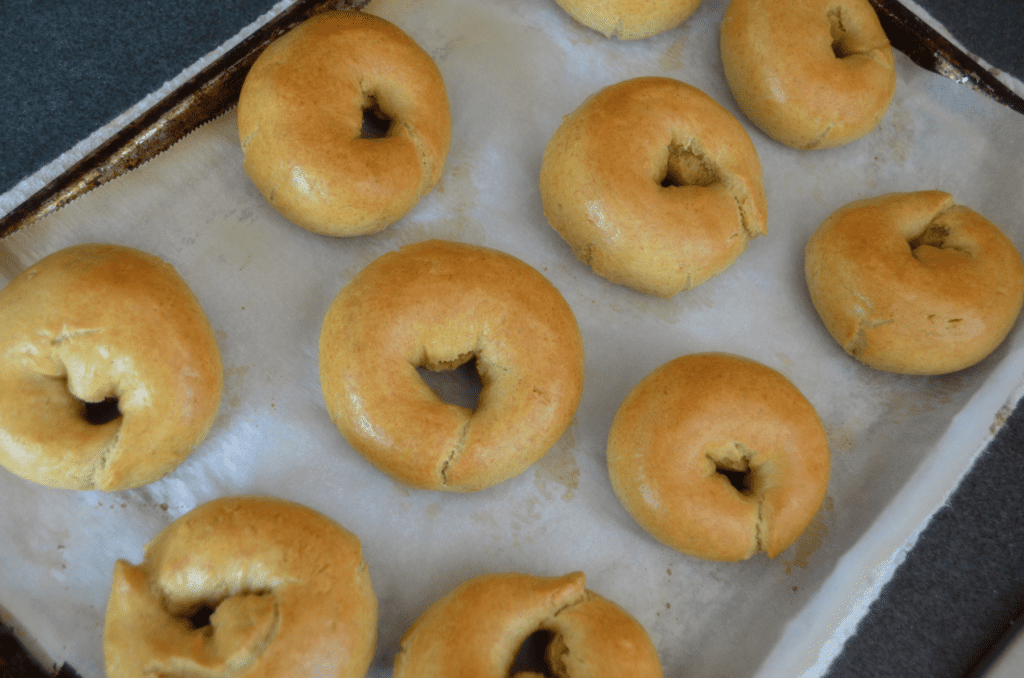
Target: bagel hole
737	472
200	618
530	657
740	480
458	385
103	412
686	168
375	124
840	38
935	236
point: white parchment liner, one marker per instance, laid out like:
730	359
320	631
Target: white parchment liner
513	69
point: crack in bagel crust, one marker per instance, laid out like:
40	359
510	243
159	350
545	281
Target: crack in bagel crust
454	455
66	334
858	343
863	312
107	459
248	139
430	167
746	228
820	141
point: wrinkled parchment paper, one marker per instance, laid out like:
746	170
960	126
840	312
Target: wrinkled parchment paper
513	69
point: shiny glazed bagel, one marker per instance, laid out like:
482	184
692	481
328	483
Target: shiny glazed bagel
809	73
653	185
693	422
477	629
289	593
98	324
300	117
629	19
913	283
437	305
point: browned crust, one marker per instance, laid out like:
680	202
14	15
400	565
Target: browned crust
476	630
913	283
300	115
436	304
703	412
784	74
289	587
601	185
629	19
96	321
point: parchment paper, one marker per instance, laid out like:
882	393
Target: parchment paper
513	69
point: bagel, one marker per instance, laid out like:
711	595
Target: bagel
103	327
300	116
699	419
629	19
653	185
287	587
913	283
809	73
476	630
437	305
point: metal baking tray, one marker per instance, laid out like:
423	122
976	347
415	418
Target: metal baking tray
813	583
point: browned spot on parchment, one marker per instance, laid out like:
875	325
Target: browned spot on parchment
841	437
234	382
673	56
812	538
558	468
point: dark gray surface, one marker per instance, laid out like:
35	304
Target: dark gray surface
961	586
66	68
991	29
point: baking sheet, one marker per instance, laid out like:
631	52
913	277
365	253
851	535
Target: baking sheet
513	70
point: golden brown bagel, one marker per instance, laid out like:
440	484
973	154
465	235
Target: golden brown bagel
629	19
653	185
95	322
437	305
913	283
699	416
300	116
809	73
288	588
476	630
